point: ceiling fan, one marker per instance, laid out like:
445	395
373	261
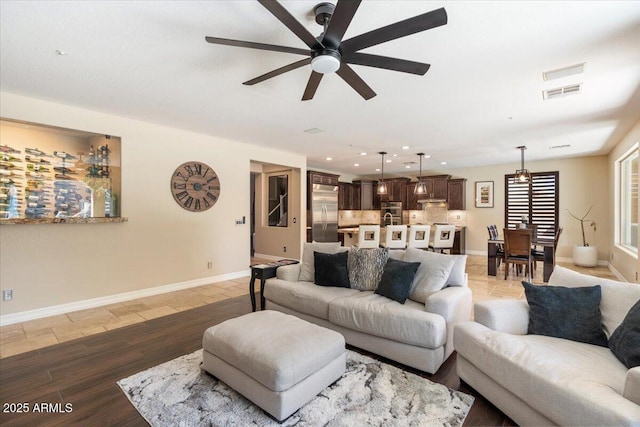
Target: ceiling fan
328	53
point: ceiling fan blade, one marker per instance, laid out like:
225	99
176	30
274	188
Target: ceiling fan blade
312	86
387	63
291	23
278	71
419	23
354	80
253	45
342	16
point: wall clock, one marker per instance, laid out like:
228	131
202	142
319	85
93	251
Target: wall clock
195	186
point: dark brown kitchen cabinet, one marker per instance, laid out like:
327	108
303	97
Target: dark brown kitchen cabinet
457	194
396	190
412	198
437	187
363	195
345	196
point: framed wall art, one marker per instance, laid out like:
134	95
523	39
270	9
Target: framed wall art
484	194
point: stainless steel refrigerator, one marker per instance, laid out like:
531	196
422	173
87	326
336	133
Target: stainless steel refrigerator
324	213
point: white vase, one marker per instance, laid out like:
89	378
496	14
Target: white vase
585	256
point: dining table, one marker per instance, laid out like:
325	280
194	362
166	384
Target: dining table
549	256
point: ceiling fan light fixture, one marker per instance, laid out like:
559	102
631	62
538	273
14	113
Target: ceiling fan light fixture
326	63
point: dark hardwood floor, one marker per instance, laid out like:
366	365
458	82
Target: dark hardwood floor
80	376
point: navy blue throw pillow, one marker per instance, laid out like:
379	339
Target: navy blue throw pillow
331	269
569	313
625	340
396	279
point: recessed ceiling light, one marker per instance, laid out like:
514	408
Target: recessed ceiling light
356	164
395	155
388	161
313	131
363	154
61	52
443	163
426	156
407	166
377	169
405	147
329	158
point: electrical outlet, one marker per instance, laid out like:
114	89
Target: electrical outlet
284	249
7	295
210	265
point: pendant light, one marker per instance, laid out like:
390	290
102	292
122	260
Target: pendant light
522	175
382	187
421	187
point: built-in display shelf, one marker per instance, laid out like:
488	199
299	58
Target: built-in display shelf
13	221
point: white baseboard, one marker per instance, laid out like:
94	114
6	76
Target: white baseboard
39	313
617	273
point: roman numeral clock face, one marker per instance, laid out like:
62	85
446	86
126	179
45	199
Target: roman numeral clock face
195	186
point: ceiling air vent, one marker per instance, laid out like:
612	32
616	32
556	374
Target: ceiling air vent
562	91
563	72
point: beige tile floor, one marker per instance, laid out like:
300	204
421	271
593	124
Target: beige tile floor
31	335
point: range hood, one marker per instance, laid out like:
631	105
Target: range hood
429	203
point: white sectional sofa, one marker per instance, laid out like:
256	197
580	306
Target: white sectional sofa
416	334
541	380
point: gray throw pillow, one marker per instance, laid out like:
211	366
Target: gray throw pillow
331	269
624	342
396	279
456	277
366	266
569	313
432	274
307	271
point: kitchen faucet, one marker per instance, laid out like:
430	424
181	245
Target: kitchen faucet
385	217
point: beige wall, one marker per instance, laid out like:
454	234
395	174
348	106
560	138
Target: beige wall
620	259
583	182
162	244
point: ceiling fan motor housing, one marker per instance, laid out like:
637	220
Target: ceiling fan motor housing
323	12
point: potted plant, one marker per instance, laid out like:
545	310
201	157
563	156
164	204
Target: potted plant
585	255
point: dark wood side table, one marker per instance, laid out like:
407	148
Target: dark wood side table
264	272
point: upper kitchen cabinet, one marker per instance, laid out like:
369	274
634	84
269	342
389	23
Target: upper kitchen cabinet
437	187
457	194
363	195
396	190
345	196
412	197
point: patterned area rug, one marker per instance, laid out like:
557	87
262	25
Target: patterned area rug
371	393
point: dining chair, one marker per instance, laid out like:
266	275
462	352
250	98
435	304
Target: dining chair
419	236
443	238
395	237
538	255
517	250
369	236
493	235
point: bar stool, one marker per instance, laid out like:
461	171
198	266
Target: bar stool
396	237
419	236
369	236
443	238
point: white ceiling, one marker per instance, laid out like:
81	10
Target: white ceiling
481	98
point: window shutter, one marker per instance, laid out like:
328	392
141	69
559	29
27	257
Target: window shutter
538	199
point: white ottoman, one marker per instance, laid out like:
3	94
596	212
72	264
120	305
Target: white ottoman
277	361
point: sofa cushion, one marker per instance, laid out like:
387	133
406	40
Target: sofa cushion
331	269
307	271
456	276
366	266
570	313
432	274
617	297
571	383
625	341
379	316
396	279
305	297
